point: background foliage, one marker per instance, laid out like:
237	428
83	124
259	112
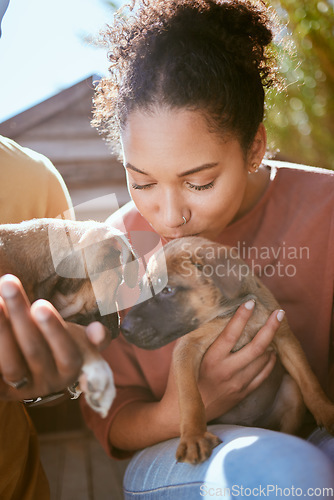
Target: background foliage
300	121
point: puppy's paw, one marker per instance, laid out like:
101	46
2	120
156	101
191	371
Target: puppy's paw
196	449
97	383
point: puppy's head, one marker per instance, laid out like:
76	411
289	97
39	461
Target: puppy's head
90	261
205	280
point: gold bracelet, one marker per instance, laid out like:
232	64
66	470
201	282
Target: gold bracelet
71	390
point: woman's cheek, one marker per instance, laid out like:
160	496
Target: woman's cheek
143	201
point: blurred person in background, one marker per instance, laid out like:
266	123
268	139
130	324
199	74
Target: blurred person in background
31	187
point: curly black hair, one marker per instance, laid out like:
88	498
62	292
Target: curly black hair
212	56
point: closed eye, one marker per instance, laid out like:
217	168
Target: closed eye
195	187
141	186
200	188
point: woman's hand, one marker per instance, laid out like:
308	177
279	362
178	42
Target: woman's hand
225	377
38	355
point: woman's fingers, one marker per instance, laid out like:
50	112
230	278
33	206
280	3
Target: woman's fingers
98	335
261	374
228	377
260	343
65	351
37	352
223	345
33	346
246	364
240	385
13	367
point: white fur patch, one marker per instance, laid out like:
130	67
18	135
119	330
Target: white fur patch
97	383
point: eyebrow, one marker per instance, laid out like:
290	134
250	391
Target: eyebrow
206	166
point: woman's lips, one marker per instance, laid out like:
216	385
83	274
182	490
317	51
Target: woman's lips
170	238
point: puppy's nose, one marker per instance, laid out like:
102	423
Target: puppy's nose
129	325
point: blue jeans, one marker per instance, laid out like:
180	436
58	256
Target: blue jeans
250	462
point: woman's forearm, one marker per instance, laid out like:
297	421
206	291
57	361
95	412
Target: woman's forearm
141	424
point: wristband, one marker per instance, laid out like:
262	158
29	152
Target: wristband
71	390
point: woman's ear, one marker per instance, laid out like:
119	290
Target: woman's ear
258	148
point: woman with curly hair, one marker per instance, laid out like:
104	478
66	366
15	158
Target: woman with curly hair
185	101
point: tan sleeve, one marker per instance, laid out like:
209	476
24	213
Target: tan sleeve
58	200
22	476
31	187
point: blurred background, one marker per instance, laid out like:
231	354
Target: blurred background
47	71
300	121
48	66
46	51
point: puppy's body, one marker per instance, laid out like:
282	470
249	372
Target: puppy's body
206	285
72	264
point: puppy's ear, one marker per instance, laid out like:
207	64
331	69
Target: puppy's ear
226	270
111	239
73	265
100	248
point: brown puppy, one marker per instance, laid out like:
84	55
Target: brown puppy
206	285
78	267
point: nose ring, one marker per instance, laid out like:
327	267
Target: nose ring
184	221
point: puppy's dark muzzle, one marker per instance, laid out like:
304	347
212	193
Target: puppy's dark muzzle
152	331
136	332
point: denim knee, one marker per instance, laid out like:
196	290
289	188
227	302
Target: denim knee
324	441
250	462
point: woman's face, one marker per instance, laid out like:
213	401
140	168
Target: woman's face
176	168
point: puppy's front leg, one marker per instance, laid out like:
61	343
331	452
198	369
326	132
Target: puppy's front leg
196	443
96	380
295	362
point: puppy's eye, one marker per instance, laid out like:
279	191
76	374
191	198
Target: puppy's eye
168	290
